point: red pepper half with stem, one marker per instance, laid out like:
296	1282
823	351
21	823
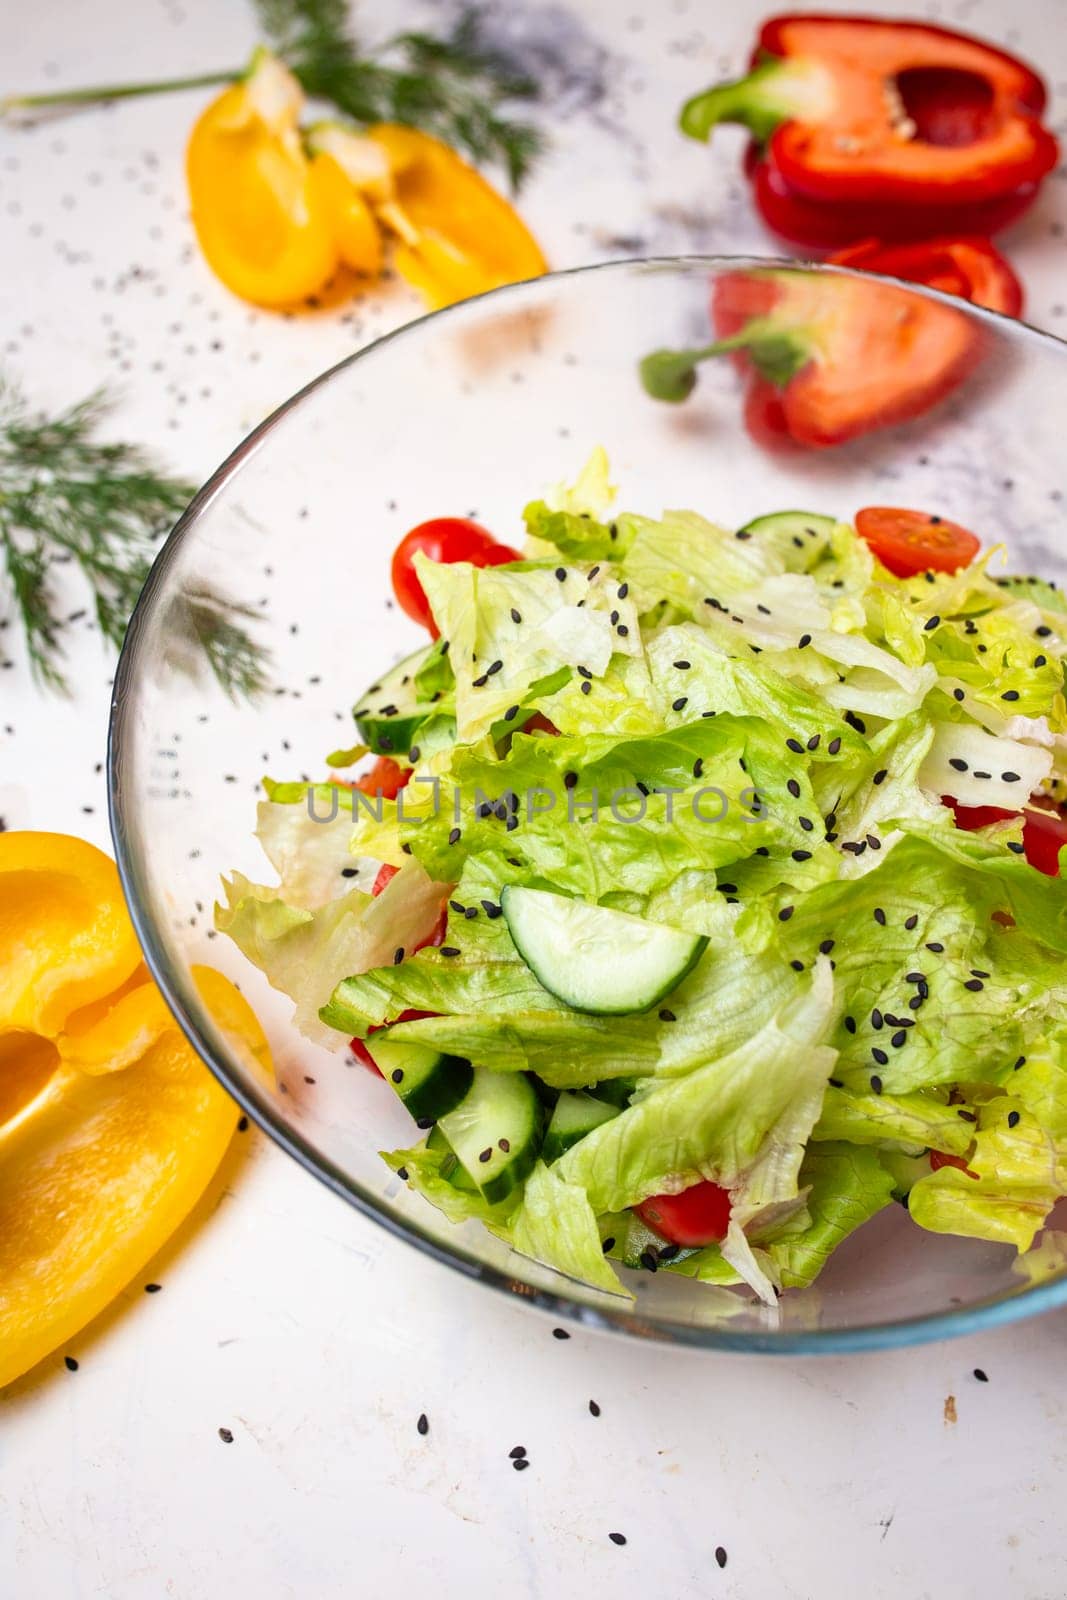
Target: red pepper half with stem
972	268
828	358
872	126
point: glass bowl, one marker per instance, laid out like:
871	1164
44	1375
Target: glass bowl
473	411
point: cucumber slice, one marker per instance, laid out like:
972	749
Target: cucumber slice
607	963
799	537
430	1083
390	713
617	1092
452	1169
496	1130
575	1115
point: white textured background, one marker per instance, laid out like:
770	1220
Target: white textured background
285	1317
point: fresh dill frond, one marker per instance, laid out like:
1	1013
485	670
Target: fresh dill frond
455	86
66	498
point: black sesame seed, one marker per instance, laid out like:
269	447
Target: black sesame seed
877	1020
614	618
794	788
1020	1063
623	590
826	946
797	966
698	767
813	742
587	688
680	704
607	1244
879	916
1043	632
912	922
594	1409
914	977
1010	694
402	1174
70	1363
720	1555
560	1333
1010	777
683	666
649	1259
880	1056
1016	848
876	1082
1040	661
622	630
397	1074
785	913
931	623
423	1424
667	1016
517	1451
958	694
511	713
449	950
806	823
454	836
967	1116
1013	1119
974	984
850	1024
485	1155
898	1039
617	1538
803	641
561	574
398	955
492	670
874	841
834	746
795	745
801	855
935	947
225	1435
516	616
980	1375
520	1464
880	776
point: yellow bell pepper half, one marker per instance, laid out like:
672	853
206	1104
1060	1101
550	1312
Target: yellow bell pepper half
110	1124
274	226
456	235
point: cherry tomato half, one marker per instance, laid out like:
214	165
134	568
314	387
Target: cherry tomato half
1044	832
699	1215
908	542
442	539
358	1046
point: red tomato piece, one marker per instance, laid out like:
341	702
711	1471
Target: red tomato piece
699	1215
539	724
442	539
1044	830
908	542
385	775
940	1158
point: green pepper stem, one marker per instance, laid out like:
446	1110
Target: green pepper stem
113	91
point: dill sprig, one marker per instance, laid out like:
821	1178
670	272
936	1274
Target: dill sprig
66	498
455	86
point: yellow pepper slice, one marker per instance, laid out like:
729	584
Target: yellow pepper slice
457	235
263	212
114	1126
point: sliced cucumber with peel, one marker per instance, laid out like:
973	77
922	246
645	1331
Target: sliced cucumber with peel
606	963
799	537
495	1130
575	1114
429	1082
390	713
452	1169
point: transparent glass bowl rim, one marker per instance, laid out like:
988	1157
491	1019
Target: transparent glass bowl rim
876	1336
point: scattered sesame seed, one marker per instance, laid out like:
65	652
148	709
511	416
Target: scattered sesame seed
801	855
931	623
667	1016
899	1039
834	746
877	1020
803	641
785	913
794	788
879	916
1013	1119
958	694
520	1464
623	591
795	745
1010	777
454	836
974	984
935	947
423	1424
683	666
1010	694
680	704
982	1377
594	1409
561	574
516	1451
912	922
720	1555
225	1435
617	1538
967	1116
876	1082
511	713
70	1363
449	950
516	616
560	1333
850	1024
880	776
880	1056
826	946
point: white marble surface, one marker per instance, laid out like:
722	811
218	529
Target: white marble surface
285	1317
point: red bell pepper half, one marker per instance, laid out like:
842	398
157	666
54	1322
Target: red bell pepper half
870	126
973	269
828	358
